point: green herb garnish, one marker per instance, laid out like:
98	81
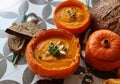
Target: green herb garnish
15	59
55	50
24	19
72	15
64	48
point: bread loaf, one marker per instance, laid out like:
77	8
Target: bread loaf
106	15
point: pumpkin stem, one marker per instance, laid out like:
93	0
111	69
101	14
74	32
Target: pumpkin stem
105	43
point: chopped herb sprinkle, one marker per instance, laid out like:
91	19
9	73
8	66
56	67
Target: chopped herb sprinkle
64	48
56	49
72	15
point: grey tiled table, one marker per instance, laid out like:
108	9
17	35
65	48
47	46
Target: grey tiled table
21	74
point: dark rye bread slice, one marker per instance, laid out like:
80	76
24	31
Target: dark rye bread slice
26	30
16	44
20	34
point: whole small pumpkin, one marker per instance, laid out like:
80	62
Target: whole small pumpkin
103	50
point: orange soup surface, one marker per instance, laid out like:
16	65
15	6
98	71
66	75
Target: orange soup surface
71	17
56	52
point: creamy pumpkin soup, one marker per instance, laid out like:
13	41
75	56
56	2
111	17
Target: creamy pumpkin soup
53	53
56	51
72	16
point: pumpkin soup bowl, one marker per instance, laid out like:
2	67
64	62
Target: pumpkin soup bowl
72	15
53	53
103	50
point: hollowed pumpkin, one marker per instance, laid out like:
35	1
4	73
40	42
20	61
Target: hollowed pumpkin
72	15
48	65
103	50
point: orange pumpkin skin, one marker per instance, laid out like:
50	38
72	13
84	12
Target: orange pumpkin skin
100	57
75	30
36	67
